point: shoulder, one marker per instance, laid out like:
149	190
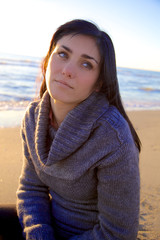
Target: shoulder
115	140
115	126
36	111
30	118
30	113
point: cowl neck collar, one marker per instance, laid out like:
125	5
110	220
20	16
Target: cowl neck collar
72	133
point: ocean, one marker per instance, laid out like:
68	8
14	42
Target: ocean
20	81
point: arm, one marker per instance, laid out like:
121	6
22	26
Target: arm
33	204
118	197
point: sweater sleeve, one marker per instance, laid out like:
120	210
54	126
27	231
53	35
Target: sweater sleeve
33	205
118	197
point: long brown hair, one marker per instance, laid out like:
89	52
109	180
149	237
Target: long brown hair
108	71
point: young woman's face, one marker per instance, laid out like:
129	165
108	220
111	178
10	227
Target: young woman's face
73	69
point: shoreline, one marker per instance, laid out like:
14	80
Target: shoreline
13	117
147	125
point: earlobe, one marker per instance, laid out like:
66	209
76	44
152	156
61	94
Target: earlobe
97	90
98	86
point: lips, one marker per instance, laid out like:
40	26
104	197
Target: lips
63	83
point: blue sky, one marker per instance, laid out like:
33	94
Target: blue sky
134	26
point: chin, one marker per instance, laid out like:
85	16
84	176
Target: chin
60	98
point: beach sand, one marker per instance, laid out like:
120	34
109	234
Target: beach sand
147	124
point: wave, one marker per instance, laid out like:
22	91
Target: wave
13	105
20	62
150	89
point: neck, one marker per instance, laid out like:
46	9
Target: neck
60	110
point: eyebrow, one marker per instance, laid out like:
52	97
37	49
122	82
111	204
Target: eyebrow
83	55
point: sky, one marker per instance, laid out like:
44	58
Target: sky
26	27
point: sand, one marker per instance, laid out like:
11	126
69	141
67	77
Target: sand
147	124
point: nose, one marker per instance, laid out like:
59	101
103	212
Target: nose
68	70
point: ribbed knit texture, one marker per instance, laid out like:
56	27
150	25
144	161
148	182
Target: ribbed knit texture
81	181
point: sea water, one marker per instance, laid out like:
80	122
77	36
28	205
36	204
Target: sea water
20	80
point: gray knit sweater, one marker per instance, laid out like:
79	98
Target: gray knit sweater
80	182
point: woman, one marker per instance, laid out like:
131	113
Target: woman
80	176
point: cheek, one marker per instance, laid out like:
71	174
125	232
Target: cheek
52	68
88	81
